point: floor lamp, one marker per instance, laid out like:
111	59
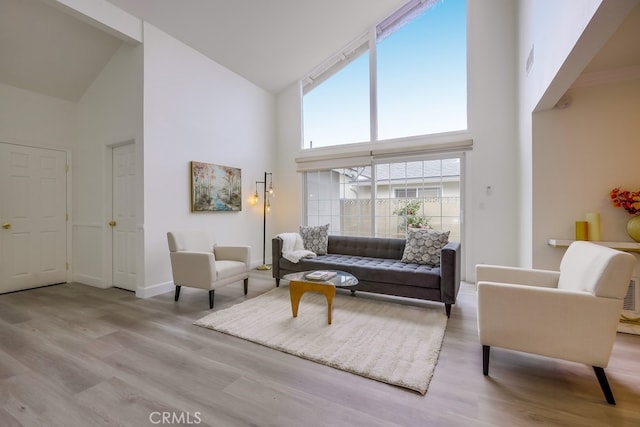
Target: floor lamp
266	207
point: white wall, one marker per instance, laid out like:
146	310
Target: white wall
551	29
565	35
289	208
29	118
109	112
491	213
491	226
195	109
581	153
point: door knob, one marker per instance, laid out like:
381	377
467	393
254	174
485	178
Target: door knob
112	223
6	226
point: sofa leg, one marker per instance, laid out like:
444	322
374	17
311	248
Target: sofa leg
485	359
211	299
246	285
277	282
447	308
353	293
604	385
177	295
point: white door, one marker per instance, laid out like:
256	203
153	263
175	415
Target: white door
33	200
124	221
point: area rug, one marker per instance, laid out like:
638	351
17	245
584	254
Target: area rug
384	341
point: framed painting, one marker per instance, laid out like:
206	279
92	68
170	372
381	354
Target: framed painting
215	188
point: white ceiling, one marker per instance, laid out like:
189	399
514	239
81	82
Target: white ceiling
622	50
44	50
272	43
269	42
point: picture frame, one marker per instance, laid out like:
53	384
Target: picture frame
215	188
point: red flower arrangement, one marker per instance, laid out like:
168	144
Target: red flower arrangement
628	200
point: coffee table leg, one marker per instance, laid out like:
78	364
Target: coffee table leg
296	289
295	293
329	293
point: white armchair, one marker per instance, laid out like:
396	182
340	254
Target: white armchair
571	314
198	262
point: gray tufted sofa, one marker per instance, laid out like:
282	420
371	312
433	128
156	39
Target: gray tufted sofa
375	261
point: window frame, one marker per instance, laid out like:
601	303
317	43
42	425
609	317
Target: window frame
355	48
373	182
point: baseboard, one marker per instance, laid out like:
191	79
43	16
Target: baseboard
85	279
153	290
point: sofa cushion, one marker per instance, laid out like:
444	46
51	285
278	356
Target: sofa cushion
315	238
371	269
423	246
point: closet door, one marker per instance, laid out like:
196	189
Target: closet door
33	200
124	221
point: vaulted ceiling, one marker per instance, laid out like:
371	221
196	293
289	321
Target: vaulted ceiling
44	50
272	43
622	50
269	42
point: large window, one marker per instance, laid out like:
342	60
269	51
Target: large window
344	95
406	78
385	198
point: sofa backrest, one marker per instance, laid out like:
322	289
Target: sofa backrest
376	247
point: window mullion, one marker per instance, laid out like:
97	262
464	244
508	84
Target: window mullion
374	197
373	86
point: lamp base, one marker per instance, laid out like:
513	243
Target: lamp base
263	267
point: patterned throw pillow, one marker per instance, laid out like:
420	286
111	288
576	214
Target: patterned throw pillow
423	246
315	238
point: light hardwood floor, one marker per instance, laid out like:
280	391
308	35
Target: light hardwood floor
72	355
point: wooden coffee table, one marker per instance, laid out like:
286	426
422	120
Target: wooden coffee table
299	284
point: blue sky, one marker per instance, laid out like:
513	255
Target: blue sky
422	84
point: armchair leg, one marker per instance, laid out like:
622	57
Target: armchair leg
211	299
175	298
604	385
447	308
485	359
246	285
277	282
